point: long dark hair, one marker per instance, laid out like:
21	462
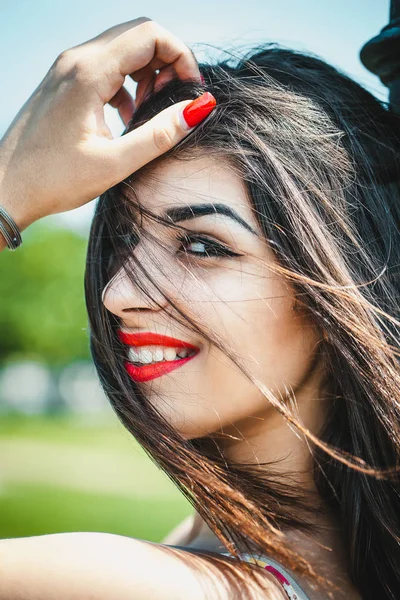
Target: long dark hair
319	157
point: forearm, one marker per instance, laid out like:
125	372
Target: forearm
101	566
92	566
67	567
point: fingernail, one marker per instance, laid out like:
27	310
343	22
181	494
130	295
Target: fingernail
203	81
199	109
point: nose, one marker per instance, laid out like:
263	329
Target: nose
121	296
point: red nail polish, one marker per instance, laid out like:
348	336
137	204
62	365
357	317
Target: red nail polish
203	81
199	109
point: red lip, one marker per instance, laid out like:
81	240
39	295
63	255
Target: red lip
146	338
148	372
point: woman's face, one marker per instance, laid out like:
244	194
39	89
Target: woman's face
238	298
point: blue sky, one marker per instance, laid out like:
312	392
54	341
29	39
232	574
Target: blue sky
34	32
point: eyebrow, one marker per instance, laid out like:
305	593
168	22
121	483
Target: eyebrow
183	213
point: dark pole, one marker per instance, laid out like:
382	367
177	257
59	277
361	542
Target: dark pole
381	55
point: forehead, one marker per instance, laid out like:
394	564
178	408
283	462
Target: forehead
200	180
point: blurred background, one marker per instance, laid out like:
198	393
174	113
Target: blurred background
66	464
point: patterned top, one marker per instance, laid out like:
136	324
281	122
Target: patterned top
292	589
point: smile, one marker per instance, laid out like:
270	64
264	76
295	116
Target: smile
152	355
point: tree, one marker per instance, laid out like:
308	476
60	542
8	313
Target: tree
43	313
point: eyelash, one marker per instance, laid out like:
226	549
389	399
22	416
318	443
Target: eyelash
218	250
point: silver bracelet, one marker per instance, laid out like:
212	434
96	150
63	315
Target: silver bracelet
15	240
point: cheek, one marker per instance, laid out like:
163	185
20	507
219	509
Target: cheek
276	341
276	346
279	343
253	315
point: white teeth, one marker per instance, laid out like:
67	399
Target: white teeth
158	354
133	354
151	354
169	354
145	356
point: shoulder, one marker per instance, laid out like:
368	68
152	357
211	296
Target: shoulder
168	573
107	566
192	573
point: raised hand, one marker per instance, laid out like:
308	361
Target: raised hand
59	154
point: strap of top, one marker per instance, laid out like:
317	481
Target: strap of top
292	589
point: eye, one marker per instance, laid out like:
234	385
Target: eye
203	247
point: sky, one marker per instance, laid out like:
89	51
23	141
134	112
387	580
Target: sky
34	32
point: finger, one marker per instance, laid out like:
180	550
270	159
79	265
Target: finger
149	82
154	65
146	72
111	33
153	84
124	103
143	89
164	76
131	151
149	70
136	48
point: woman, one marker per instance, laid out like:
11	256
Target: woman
243	305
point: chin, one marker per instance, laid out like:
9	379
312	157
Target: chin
189	427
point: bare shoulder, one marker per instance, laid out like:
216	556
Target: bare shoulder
100	565
197	574
163	572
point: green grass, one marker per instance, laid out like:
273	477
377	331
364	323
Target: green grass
35	510
63	474
85	431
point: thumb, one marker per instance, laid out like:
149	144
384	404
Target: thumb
142	145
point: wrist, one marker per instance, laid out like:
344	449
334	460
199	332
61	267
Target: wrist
14	204
9	203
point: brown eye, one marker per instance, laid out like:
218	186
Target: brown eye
204	247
